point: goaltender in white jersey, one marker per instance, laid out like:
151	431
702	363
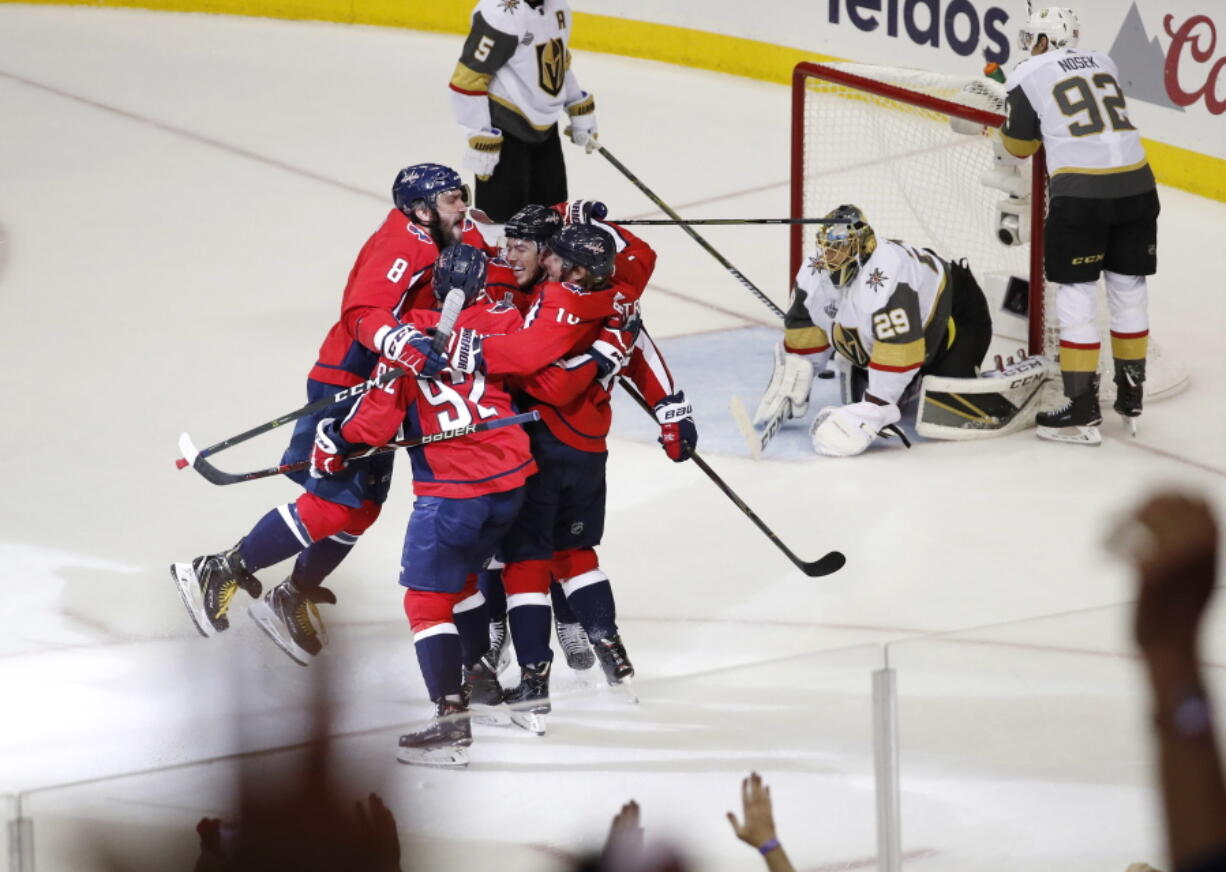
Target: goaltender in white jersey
893	310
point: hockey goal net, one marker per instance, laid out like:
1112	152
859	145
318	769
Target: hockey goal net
881	138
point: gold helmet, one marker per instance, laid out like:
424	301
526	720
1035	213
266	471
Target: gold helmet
845	244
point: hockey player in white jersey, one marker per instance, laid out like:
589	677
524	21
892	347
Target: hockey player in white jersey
1102	217
892	310
512	83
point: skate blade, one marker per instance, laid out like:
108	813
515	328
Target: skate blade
625	688
490	716
189	589
1087	435
450	757
533	722
1130	424
267	621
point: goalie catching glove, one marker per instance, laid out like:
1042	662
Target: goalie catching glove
787	394
678	434
845	431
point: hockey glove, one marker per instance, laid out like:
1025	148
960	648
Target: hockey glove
484	149
787	394
678	434
411	349
612	350
327	457
845	431
582	127
584	212
463	352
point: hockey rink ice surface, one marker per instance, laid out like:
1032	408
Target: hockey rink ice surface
181	199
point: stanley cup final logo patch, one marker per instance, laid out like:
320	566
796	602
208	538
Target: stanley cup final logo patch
551	61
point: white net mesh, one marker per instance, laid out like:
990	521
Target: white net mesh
918	179
912	175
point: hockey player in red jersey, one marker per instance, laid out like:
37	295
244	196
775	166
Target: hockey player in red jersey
592	271
468	491
392	274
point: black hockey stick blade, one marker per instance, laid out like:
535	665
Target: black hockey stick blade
832	562
219	477
828	563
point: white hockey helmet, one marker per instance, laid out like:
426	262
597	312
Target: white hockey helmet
1058	23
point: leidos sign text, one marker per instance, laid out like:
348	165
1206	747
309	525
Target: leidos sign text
958	24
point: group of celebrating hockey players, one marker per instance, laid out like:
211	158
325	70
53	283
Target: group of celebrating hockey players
501	541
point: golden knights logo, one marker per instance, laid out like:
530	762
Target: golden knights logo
847	342
551	61
875	279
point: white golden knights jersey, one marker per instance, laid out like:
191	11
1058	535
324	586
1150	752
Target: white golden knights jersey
514	71
891	319
1070	101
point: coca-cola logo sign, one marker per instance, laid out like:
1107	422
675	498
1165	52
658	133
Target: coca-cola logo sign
1191	73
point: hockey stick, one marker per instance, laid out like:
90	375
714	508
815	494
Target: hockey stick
452	305
217	476
642	222
831	562
757	441
684	225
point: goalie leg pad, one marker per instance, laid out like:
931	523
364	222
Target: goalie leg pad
791	380
978	408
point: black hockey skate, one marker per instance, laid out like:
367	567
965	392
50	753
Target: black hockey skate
290	618
1076	421
481	685
529	701
573	639
208	584
498	657
1129	378
444	742
615	662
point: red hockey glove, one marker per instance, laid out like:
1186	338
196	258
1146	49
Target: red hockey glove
463	352
613	347
411	349
678	434
327	457
584	212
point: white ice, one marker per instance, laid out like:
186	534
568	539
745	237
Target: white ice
181	198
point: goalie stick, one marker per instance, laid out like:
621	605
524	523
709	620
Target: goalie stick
216	476
756	441
452	305
826	564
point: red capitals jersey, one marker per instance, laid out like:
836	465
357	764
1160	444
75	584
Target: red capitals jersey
392	275
563	321
492	461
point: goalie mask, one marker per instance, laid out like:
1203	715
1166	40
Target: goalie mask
1057	23
843	247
